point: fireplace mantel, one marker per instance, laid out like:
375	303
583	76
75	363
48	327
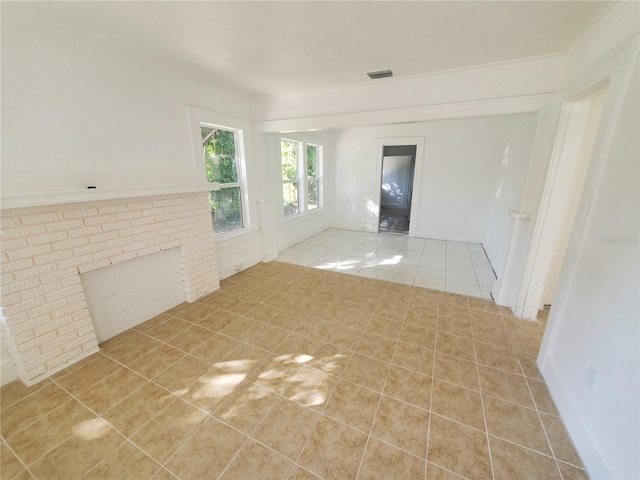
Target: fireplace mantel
46	324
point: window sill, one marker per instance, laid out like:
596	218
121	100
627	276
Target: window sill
300	216
222	238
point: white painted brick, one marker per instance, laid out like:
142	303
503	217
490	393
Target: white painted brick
179	236
119	242
52	325
69	281
88	249
162	203
75	343
64	225
80	213
92	345
54	257
35	271
54	345
128	215
13	287
85	231
71	327
180	222
107	209
134	247
149	250
136	222
14	243
83	330
169	245
9	221
161	221
15	321
42	289
41	218
48	238
185	214
174	208
8	300
30	354
34	369
130	232
58	274
69	244
110	253
100	220
81	314
24	337
48	307
124	257
75	261
139	205
65	359
165	217
29	252
9	266
93	265
23	306
102	237
38	341
116	226
69	293
145	236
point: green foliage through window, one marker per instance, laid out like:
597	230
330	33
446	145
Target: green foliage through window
301	182
219	149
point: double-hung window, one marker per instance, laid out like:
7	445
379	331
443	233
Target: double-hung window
219	156
301	167
222	163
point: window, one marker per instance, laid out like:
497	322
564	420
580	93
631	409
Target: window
314	154
222	163
301	177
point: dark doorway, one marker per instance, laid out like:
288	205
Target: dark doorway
398	165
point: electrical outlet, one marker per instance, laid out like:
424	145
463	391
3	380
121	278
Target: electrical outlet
591	376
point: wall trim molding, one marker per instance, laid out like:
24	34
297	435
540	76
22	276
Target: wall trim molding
422	113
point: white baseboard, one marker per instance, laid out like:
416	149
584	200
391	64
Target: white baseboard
584	440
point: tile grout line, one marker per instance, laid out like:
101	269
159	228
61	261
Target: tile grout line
484	415
375	414
433	373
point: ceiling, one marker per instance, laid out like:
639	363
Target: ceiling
276	48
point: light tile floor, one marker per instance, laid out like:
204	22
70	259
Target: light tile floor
455	267
292	373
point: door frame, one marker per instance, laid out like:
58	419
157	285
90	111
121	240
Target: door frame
614	72
415	184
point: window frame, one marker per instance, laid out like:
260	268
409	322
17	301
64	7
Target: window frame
198	118
303	179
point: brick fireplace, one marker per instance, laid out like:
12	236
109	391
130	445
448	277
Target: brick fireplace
46	324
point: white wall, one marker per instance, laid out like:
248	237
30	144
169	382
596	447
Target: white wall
460	167
477	84
509	185
290	231
75	113
594	321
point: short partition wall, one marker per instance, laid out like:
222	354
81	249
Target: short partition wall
46	323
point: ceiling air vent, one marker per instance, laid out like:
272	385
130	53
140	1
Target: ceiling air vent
380	74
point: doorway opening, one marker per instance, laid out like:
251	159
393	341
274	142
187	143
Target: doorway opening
396	188
571	158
